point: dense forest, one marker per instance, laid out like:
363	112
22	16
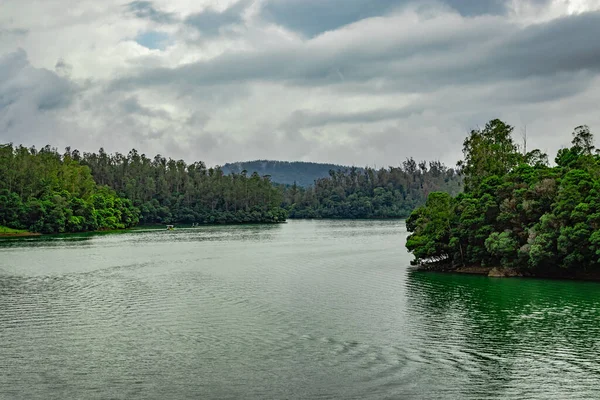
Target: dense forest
301	173
169	191
48	192
517	213
370	193
43	191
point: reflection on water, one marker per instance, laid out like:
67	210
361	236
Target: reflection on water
513	338
312	309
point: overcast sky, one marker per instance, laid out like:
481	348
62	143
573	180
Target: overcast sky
356	82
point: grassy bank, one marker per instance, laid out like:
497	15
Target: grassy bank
9	232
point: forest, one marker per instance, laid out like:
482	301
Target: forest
517	212
43	191
169	191
364	193
48	192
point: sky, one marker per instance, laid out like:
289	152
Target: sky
353	82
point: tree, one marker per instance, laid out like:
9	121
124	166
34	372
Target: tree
583	140
487	152
431	229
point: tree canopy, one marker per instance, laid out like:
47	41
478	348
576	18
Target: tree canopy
369	193
171	191
42	191
48	192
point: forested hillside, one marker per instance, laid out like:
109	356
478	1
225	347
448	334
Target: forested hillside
371	193
43	191
516	213
303	174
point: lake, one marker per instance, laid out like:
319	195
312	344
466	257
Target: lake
302	310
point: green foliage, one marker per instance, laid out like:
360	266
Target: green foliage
489	151
170	191
47	192
42	191
516	211
10	231
431	227
368	193
503	246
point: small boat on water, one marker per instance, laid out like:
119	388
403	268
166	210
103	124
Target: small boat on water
170	227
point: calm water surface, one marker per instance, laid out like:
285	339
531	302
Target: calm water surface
327	310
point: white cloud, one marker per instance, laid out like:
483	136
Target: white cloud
233	83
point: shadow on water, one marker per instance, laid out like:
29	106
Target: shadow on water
202	233
507	336
47	240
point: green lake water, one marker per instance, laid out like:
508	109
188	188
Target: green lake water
307	309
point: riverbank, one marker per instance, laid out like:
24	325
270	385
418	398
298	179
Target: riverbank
14	233
501	272
11	233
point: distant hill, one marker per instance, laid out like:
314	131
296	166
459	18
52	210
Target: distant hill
284	172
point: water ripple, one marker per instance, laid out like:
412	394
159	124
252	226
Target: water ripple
303	310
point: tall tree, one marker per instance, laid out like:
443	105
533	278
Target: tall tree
487	152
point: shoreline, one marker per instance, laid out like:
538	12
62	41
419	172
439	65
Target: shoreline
19	235
501	272
149	227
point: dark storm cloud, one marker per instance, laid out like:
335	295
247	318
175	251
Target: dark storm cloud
146	10
312	17
492	50
209	22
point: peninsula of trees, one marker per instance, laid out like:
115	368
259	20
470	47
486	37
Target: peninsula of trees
516	214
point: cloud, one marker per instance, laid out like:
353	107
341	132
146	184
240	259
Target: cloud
313	17
131	105
13	32
21	85
209	22
146	10
349	82
30	98
387	49
310	119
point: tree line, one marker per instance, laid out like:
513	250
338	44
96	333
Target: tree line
516	212
169	191
50	192
43	191
371	193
